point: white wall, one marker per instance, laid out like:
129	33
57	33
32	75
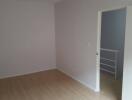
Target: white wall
76	37
113	34
76	40
127	79
27	36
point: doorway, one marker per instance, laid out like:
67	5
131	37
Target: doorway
111	52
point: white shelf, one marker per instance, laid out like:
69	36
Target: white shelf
107	71
115	61
107	65
107	59
109	50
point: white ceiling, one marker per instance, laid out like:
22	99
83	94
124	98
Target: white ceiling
57	0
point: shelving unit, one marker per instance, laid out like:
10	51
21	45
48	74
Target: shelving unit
108	63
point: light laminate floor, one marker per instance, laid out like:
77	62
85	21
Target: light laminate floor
110	87
47	85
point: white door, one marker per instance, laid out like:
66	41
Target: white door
127	73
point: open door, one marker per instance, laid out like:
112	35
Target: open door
127	68
127	74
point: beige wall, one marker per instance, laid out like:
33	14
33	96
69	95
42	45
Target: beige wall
27	37
76	38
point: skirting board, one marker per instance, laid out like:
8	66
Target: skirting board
88	86
26	73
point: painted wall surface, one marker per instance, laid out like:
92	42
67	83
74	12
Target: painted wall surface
113	34
127	79
113	29
76	38
27	37
76	24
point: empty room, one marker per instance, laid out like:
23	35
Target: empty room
52	50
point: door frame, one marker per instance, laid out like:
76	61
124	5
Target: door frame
99	43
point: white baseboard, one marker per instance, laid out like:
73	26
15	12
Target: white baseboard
48	68
25	72
83	83
97	90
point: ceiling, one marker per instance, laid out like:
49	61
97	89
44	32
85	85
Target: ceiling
57	1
